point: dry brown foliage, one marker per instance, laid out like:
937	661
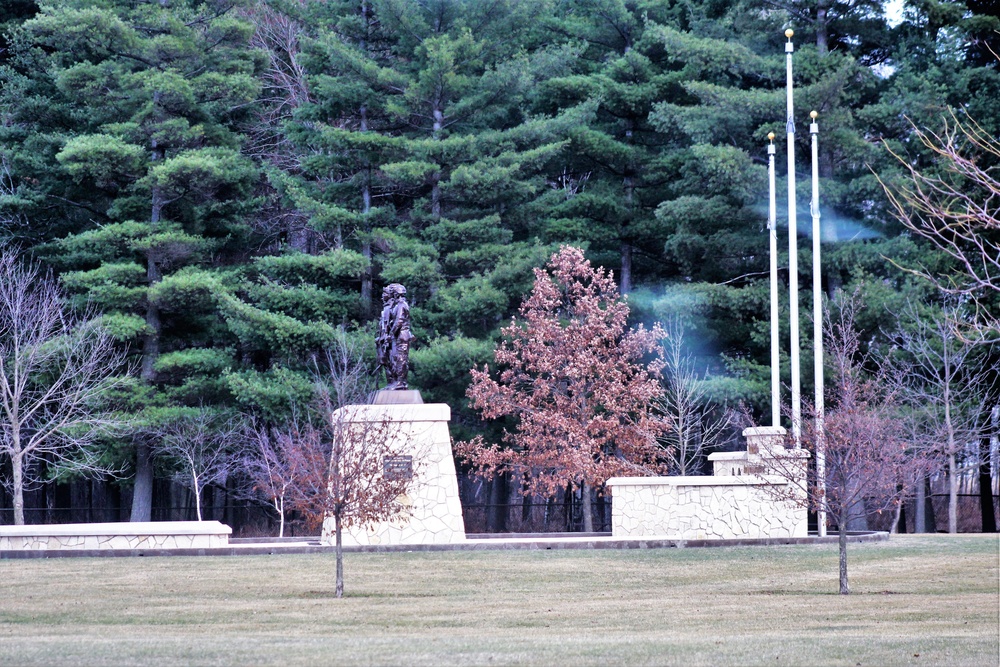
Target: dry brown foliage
574	377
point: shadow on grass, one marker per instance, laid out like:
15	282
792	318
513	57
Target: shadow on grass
821	593
332	594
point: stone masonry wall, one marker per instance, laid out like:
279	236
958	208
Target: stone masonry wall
757	493
702	508
89	536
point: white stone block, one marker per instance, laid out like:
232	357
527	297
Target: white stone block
435	511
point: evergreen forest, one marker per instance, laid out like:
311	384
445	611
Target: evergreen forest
226	186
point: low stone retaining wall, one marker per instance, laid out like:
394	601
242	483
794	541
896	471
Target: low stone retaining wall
743	499
698	508
99	536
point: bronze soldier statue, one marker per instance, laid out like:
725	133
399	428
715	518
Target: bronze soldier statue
394	336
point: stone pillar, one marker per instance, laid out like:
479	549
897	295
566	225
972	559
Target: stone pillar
767	456
421	431
765	441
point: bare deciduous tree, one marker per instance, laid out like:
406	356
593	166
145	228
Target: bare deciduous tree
868	461
339	472
943	387
203	445
332	464
956	207
697	423
55	371
286	87
12	222
268	470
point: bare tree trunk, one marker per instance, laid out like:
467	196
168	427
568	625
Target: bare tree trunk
340	556
986	487
952	494
157	154
142	491
920	508
845	589
588	512
279	504
897	513
17	464
367	278
299	238
628	185
366	207
625	279
950	428
436	176
48	494
151	341
196	490
931	516
568	523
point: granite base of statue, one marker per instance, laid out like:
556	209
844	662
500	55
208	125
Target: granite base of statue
419	432
397	397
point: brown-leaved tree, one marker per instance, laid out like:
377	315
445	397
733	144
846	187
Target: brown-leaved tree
575	379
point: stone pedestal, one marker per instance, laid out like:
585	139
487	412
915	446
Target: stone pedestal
398	397
421	431
764	443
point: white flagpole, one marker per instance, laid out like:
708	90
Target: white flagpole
772	232
817	325
793	250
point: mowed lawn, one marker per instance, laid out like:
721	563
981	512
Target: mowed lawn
927	600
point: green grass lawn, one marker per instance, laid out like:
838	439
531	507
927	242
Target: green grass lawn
929	600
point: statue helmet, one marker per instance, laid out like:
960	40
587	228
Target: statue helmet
393	289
